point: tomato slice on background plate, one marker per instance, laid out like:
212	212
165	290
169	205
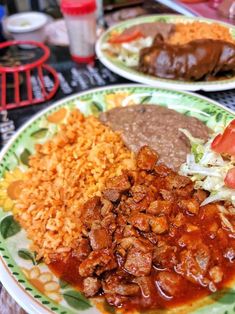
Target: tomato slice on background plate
125	38
225	143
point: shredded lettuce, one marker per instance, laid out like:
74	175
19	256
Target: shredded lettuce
196	144
208	170
197	152
128	53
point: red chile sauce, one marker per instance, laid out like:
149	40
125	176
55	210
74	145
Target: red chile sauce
189	291
69	272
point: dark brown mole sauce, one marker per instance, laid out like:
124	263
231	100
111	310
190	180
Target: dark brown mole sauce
189	292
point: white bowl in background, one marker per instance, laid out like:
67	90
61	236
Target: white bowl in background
27	26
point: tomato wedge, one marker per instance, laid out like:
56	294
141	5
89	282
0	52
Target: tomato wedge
230	179
125	38
225	143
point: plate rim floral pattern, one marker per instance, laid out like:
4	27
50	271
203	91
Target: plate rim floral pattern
16	286
138	77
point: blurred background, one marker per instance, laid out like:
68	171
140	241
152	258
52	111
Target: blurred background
218	9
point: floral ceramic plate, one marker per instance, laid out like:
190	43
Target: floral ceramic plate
120	68
31	283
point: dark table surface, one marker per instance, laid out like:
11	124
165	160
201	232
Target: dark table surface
75	78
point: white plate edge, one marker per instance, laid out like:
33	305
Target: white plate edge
19	294
154	81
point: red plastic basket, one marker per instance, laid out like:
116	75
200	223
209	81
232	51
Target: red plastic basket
38	66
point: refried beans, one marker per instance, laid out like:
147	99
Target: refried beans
157	127
152	29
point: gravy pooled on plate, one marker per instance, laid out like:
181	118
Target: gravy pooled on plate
157	127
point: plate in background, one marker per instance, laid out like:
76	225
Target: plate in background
121	69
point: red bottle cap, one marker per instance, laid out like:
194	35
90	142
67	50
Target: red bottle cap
89	59
74	7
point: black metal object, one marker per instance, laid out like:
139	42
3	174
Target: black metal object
11	6
34	5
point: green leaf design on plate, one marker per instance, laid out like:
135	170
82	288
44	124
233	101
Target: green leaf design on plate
218	117
145	99
27	255
225	296
16	157
232	32
9	227
210	110
39	133
88	97
162	19
24	156
63	284
96	108
76	300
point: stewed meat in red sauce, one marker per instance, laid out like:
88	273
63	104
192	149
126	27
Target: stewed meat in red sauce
147	243
157	127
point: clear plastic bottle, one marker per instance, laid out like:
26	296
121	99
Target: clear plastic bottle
80	18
